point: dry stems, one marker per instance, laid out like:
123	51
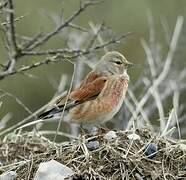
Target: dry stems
157	84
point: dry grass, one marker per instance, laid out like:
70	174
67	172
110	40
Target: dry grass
121	158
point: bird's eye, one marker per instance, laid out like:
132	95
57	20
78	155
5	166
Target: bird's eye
118	62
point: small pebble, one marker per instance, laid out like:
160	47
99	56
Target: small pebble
92	145
9	175
133	136
52	170
110	136
151	150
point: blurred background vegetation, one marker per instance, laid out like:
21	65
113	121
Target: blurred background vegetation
121	16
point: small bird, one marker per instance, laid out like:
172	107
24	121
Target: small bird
99	96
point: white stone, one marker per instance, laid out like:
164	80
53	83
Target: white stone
111	135
92	145
133	136
52	170
9	175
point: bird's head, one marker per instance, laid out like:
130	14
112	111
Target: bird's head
113	63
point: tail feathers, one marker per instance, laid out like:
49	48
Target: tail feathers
44	117
50	113
56	110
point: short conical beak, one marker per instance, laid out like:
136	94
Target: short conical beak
129	64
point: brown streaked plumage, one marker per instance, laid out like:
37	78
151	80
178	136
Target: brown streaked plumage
100	95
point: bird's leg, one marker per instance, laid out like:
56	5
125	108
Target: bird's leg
82	130
103	129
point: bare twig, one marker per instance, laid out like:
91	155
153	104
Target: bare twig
96	32
58	57
65	24
26	68
10	37
155	92
145	117
33	115
17	100
51	52
79	71
166	66
75	26
15	20
168	91
11	27
176	106
3	4
68	95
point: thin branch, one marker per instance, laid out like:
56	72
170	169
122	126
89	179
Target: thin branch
166	29
68	95
11	27
154	91
168	91
145	117
30	42
11	39
96	32
51	52
17	100
149	58
167	64
170	119
112	41
65	24
172	50
26	68
15	20
33	115
3	4
58	57
79	71
75	26
176	107
82	52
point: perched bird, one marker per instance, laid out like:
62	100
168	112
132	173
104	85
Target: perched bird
99	96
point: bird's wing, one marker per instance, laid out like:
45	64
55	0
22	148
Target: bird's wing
91	76
87	91
90	79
